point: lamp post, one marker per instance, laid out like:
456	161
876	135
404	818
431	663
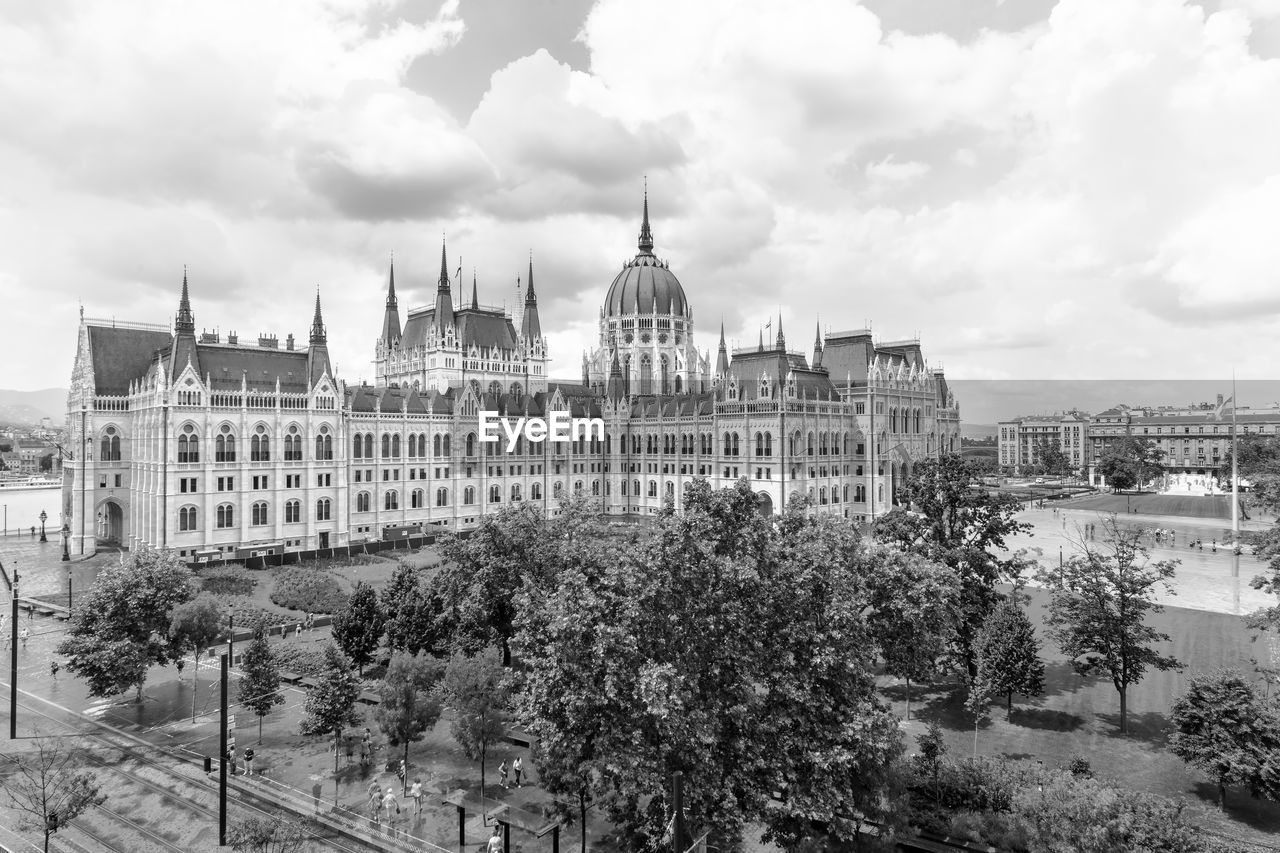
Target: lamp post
66	553
44	516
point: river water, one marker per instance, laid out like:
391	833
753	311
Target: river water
21	508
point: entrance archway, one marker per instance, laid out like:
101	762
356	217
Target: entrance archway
110	529
765	504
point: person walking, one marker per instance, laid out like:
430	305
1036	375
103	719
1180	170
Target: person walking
390	801
415	791
517	767
23	635
375	799
248	761
53	669
495	841
502	773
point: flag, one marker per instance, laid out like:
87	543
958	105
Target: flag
769	325
1217	410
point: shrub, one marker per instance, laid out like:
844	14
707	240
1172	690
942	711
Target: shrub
298	659
1080	767
227	580
306	589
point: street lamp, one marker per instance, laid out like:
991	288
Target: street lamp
44	516
66	553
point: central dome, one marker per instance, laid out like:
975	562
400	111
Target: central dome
645	285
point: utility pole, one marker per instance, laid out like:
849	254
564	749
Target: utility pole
13	657
222	759
677	804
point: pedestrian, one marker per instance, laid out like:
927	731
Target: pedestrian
26	632
502	773
415	791
33	531
517	767
351	746
389	800
248	761
53	669
375	798
230	758
495	841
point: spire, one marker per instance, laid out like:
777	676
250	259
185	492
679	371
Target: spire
782	341
646	236
444	296
475	294
817	344
722	359
760	346
318	337
530	327
185	324
391	316
616	388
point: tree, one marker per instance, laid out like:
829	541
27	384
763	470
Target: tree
48	788
358	628
275	833
121	627
1009	654
412	612
1221	727
410	701
1098	607
912	602
260	679
330	706
46	462
1052	459
1131	461
690	649
194	626
476	688
956	523
933	749
978	702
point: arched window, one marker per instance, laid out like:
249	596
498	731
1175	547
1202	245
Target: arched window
735	444
469	495
188	445
386	445
324	444
471	444
368	445
260	445
822	495
646	375
258	513
495	494
362	502
727	447
442	497
446	445
187	518
324	508
535	492
495	388
662	366
768	444
226	516
557	490
225	446
822	444
293	445
110	445
435	445
391	499
292	512
519	451
678	383
395	446
653	488
759	444
635	486
515	492
624	488
577	487
810	444
415	499
595	487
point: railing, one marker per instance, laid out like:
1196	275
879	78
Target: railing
110	404
113	323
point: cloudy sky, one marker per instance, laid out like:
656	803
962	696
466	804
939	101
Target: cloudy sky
1075	189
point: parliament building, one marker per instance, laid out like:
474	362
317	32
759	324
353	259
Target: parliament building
207	445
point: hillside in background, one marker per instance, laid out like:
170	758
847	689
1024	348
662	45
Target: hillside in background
28	407
977	430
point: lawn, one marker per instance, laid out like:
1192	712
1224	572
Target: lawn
1186	506
1079	717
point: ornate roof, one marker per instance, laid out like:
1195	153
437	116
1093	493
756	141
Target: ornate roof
646	285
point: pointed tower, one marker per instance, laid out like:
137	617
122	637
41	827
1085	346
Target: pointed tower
391	317
318	352
530	328
184	334
782	341
817	344
760	346
646	236
617	388
444	296
722	358
586	372
475	294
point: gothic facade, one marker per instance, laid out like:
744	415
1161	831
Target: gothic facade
210	446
